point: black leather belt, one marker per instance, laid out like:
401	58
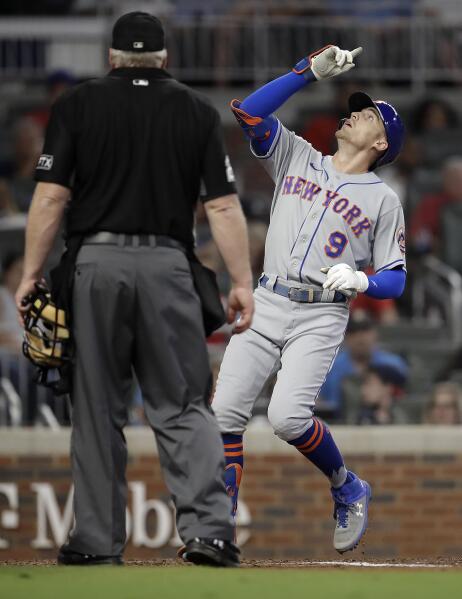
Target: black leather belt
126	240
309	295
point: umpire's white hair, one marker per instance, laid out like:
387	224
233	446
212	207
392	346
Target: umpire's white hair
121	58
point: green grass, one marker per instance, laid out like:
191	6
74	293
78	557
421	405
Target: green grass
204	583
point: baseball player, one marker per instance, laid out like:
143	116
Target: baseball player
331	217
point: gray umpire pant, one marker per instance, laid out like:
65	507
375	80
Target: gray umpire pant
137	307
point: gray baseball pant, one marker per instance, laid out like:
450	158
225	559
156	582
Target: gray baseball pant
137	307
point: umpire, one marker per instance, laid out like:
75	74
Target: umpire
137	148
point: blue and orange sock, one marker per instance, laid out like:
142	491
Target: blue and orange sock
234	458
318	446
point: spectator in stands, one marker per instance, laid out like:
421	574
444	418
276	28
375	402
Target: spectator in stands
370	10
12	366
256	211
452	369
257	238
10	329
19	173
398	175
380	311
433	114
380	389
57	83
444	406
359	353
7	204
426	221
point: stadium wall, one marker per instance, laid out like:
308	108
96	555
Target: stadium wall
415	472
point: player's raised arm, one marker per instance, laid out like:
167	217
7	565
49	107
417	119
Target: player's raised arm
254	114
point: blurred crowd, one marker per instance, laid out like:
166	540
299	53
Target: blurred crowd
377	378
364	9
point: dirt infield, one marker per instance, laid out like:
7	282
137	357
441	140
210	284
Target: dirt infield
405	563
441	562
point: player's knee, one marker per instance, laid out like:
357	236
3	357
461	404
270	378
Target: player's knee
230	417
288	427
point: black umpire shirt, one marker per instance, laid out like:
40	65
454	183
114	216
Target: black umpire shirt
137	148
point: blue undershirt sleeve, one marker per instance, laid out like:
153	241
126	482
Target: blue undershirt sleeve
264	101
388	284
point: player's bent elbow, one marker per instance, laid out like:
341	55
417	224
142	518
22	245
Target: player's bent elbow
400	290
400	282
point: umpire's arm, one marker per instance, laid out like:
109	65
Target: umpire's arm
229	231
53	176
45	215
227	222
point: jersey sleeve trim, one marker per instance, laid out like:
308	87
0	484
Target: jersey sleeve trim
393	264
272	147
41	176
216	195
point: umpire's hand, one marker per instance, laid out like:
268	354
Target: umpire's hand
24	292
240	299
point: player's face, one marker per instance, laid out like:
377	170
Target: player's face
361	344
375	392
364	130
444	409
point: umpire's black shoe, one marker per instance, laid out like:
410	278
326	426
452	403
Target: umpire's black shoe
67	557
212	552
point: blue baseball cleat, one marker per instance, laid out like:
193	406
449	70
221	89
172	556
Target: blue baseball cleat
350	511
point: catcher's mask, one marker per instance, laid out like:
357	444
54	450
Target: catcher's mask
46	335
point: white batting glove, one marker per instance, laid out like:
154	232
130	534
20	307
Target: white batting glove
343	278
333	61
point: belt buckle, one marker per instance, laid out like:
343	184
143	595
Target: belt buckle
295	294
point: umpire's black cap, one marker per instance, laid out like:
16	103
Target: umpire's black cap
138	32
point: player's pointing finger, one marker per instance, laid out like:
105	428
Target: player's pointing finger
356	52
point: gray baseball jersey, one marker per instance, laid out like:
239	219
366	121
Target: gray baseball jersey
321	217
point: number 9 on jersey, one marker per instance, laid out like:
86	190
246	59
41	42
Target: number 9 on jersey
336	244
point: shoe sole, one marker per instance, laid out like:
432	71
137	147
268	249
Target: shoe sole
205	556
90	563
363	530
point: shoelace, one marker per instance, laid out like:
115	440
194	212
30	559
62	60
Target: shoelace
341	511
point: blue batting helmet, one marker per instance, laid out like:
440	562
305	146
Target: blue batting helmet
394	127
